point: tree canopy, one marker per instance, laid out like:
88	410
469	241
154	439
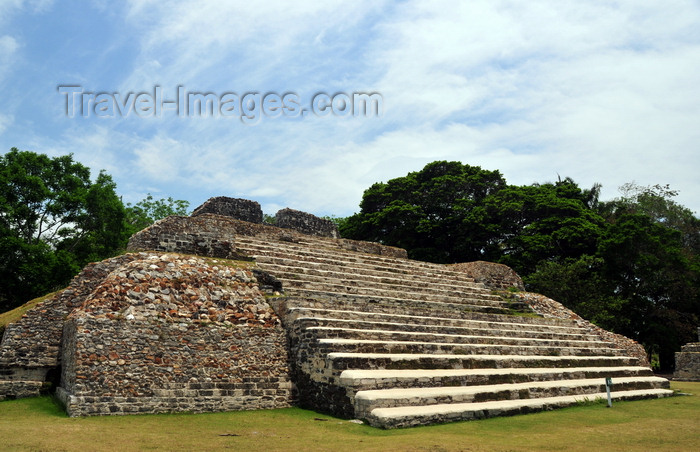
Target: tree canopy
54	220
149	210
427	212
631	264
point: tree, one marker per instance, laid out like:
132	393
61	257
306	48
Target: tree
147	211
538	222
646	264
656	202
53	221
581	285
427	212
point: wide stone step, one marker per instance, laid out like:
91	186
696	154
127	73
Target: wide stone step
329	254
379	346
358	379
366	401
336	362
328	332
432	414
299	270
362	284
272	262
367	299
373	304
348	307
469	328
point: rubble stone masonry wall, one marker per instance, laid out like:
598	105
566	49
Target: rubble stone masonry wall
126	367
492	275
30	348
306	223
240	209
167	333
688	362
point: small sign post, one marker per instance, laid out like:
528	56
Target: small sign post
608	386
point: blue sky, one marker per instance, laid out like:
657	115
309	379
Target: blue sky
599	91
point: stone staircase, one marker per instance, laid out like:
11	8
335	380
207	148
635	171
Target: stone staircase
401	343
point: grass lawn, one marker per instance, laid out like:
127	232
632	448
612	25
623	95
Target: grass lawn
671	424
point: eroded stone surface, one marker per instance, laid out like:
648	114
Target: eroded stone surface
490	274
306	223
167	333
240	209
688	362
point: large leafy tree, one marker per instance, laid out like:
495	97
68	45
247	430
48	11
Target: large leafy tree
149	210
53	220
652	257
539	222
427	212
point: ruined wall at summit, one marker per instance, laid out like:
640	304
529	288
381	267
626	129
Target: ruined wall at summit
306	223
240	209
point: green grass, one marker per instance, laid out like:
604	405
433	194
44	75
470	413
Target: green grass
671	424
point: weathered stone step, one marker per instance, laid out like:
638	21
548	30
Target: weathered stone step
392	305
359	287
18	389
324	253
340	361
450	279
330	332
358	379
431	414
370	309
395	269
457	348
366	401
296	269
468	327
296	288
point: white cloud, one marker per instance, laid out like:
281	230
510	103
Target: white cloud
8	49
598	91
5	122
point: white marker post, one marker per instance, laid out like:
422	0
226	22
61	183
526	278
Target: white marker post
608	386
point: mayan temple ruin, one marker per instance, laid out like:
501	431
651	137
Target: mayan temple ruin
219	311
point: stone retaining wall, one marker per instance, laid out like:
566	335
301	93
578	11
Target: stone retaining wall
123	367
34	341
30	347
688	363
